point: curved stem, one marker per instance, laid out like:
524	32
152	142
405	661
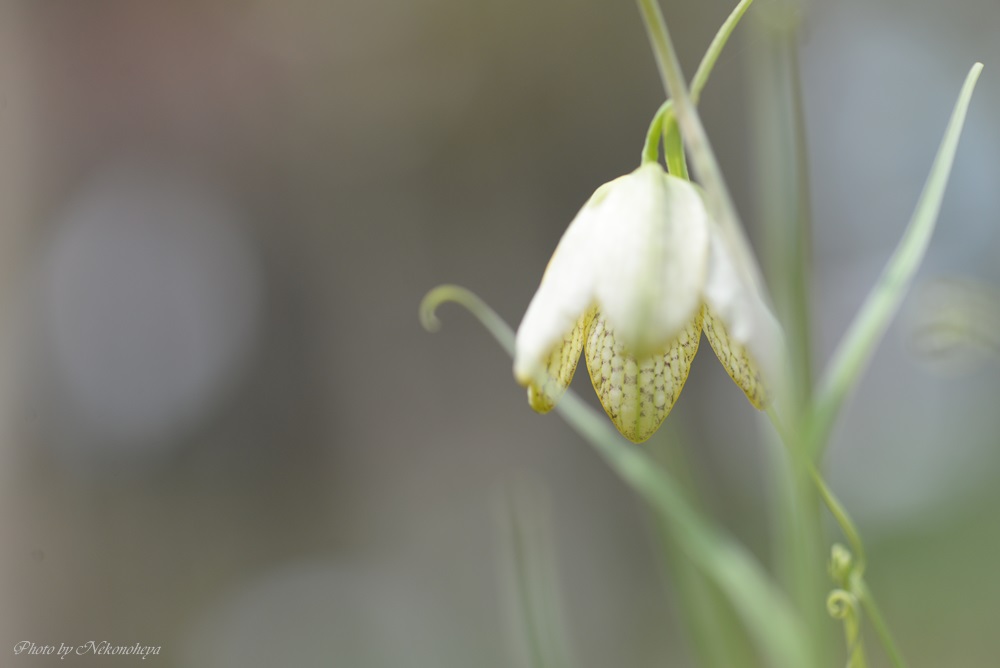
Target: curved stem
715	50
651	149
836	508
868	602
673	148
761	606
702	157
853	536
665	122
843	520
493	323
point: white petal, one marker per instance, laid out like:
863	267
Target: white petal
741	308
653	258
565	293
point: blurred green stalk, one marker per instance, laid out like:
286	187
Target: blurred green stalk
762	607
798	504
531	570
783	191
784	635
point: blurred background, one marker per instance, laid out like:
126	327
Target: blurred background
223	431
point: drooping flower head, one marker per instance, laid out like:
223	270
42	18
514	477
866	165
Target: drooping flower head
637	276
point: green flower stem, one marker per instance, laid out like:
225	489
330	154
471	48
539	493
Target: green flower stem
865	332
858	586
800	525
782	178
878	622
673	147
799	544
836	509
715	50
784	209
702	157
665	123
867	329
761	606
651	149
843	520
800	255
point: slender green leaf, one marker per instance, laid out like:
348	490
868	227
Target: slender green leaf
718	638
882	303
715	49
673	147
762	607
531	571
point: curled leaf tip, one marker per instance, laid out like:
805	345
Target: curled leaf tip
429	305
841	604
493	323
443	294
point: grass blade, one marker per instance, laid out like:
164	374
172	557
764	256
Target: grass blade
882	303
531	574
761	606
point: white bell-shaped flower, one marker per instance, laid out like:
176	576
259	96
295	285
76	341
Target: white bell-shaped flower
636	277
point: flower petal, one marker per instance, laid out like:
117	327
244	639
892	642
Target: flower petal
638	395
735	359
565	293
653	258
745	336
560	365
